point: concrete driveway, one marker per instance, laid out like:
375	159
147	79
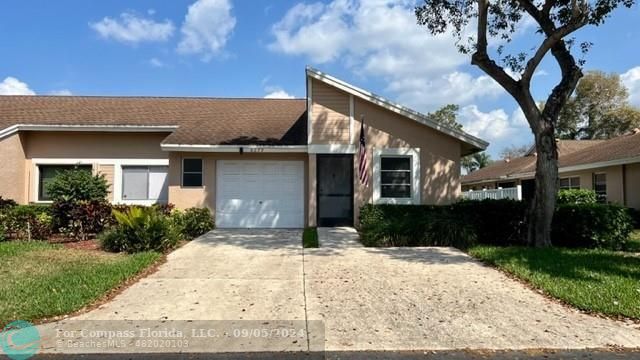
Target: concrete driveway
367	299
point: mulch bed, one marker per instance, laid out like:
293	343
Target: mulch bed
91	244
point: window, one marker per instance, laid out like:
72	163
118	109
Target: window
395	177
506	185
570	183
600	186
144	183
192	172
48	172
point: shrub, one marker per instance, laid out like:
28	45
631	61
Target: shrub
75	185
577	196
81	219
140	229
591	226
28	222
195	222
497	222
492	222
6	204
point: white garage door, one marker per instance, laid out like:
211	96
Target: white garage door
260	194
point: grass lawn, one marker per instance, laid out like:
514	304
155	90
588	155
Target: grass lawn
40	280
634	242
601	281
310	238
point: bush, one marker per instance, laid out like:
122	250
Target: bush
81	219
591	226
6	204
491	222
195	222
497	222
140	229
27	222
75	185
577	196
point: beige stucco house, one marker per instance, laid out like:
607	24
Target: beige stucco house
253	162
609	167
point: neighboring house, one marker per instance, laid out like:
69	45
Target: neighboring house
253	162
609	167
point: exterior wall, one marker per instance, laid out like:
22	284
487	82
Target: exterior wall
14	170
439	153
104	151
330	111
108	171
632	181
312	193
205	196
615	191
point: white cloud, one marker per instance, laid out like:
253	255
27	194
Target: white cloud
631	79
61	92
380	38
279	94
206	28
13	86
132	29
157	63
495	126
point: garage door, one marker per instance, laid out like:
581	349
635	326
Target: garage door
260	194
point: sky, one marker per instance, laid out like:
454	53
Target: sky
259	48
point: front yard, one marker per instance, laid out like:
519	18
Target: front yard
600	281
40	280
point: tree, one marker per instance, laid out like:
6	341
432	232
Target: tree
447	115
599	109
513	151
476	161
557	21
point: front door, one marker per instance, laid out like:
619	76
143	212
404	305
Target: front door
335	190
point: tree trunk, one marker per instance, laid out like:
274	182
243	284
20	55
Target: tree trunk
543	204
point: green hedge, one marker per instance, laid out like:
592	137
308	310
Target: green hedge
577	196
591	226
491	222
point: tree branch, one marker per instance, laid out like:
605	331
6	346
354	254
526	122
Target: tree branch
548	44
481	59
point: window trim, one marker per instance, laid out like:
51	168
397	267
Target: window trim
149	169
95	163
414	153
569	178
600	197
182	172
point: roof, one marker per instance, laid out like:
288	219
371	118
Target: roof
474	144
206	121
525	166
622	149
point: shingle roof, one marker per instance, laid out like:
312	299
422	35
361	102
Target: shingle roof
568	150
622	147
205	121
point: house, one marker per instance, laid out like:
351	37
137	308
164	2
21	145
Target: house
609	167
253	162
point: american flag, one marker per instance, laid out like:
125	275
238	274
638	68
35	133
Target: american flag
362	156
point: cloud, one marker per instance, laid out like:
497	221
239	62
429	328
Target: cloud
279	94
13	86
206	28
132	29
61	92
157	63
631	79
381	39
496	126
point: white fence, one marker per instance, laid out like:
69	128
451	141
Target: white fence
496	194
